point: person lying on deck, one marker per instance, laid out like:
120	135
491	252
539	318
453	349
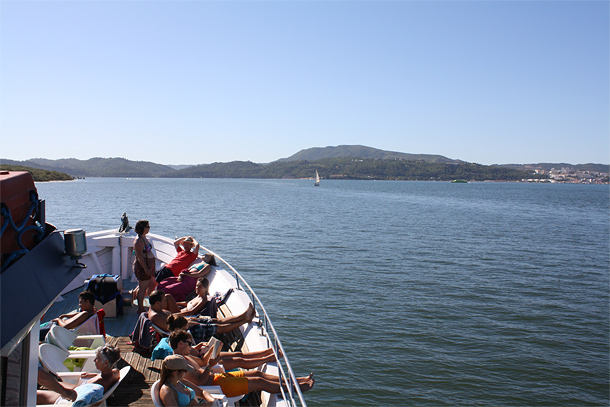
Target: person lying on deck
232	383
183	285
230	360
86	301
201	304
175	390
187	250
163	305
92	388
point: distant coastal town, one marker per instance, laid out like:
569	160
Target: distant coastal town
568	175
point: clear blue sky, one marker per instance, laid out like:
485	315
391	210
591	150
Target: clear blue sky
190	82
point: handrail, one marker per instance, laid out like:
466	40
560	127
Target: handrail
293	386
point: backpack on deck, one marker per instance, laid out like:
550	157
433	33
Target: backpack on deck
143	335
105	289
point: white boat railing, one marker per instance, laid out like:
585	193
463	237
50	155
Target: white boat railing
292	389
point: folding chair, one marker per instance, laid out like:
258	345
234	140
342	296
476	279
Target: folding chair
100	403
52	358
64	338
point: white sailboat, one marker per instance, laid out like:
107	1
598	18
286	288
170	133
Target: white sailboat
317	182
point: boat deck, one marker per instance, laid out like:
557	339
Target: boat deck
134	390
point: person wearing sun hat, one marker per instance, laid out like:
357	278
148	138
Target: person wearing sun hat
175	390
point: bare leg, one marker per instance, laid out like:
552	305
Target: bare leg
172	305
270	377
246	363
47	380
223	329
134	294
143	288
257	382
46	397
248	355
246	316
152	286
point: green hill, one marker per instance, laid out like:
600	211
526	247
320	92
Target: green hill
356	169
38	174
356	151
98	167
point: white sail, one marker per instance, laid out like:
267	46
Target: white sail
317	179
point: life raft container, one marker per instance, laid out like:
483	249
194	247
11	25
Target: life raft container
22	215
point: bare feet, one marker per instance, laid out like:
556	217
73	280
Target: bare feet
308	383
134	295
250	313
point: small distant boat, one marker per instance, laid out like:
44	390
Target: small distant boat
459	181
317	182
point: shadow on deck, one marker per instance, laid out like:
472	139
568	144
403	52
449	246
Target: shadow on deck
135	389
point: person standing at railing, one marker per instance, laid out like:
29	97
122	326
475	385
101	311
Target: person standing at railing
144	263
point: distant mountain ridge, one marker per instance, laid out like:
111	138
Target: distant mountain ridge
97	167
354	161
355	169
357	151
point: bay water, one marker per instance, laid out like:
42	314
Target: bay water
400	293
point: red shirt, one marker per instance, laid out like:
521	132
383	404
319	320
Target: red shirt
182	261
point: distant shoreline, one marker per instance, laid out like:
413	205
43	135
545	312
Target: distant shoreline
349	168
339	180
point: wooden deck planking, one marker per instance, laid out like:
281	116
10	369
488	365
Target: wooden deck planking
134	390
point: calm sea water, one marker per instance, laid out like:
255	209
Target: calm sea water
401	293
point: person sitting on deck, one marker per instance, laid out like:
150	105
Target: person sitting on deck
232	383
183	285
187	250
175	390
163	305
230	360
86	301
89	390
